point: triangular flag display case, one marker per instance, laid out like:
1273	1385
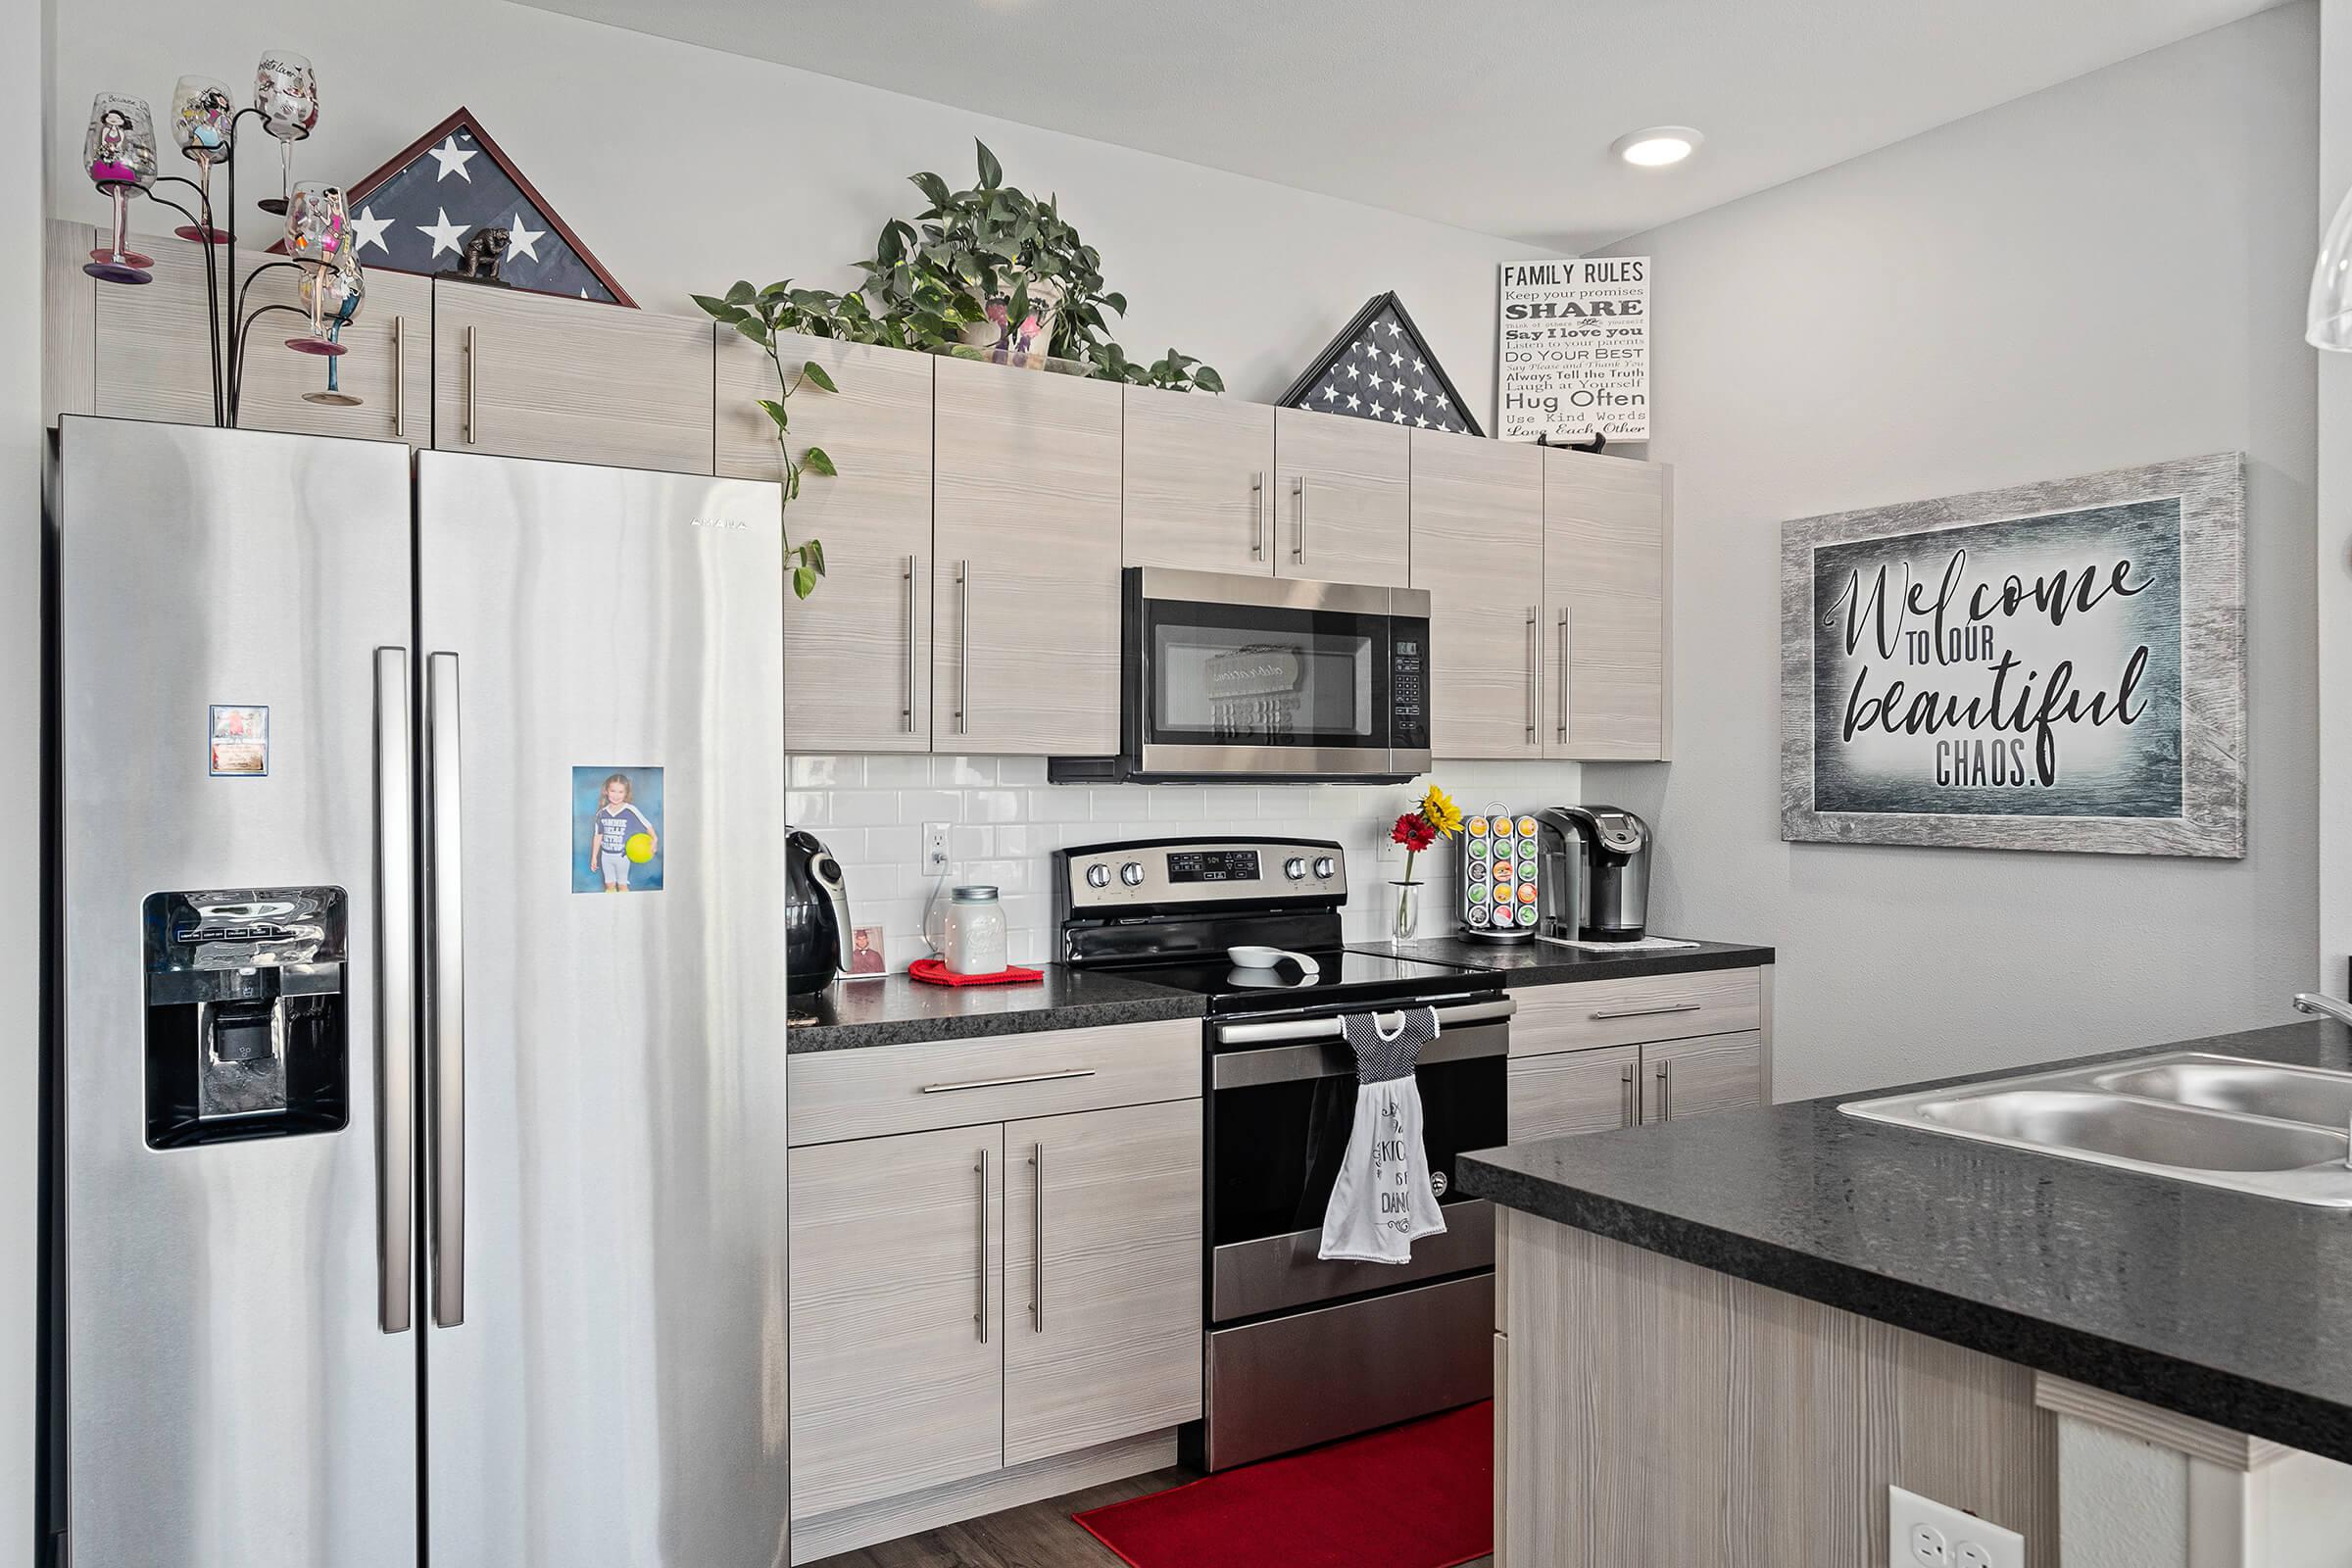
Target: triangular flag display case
1380	368
424	211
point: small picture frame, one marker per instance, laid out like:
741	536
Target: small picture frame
869	960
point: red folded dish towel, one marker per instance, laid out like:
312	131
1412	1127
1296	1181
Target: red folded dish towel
933	973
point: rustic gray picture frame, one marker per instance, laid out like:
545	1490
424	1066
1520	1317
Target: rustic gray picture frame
2213	667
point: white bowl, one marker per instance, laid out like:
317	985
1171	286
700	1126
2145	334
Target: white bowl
1254	957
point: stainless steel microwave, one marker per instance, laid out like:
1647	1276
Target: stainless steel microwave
1230	677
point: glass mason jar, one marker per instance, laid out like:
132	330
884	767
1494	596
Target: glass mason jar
975	935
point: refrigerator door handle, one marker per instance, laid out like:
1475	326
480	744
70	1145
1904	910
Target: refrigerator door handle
445	990
395	986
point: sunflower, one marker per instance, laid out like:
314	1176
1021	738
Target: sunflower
1442	815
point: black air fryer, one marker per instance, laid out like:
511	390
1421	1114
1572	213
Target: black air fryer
816	915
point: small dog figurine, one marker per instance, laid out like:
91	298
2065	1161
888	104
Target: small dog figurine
479	262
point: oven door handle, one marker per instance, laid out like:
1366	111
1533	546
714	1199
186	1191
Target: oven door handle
1311	1048
1286	1031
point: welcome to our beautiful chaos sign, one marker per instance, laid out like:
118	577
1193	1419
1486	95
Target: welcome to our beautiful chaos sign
2054	666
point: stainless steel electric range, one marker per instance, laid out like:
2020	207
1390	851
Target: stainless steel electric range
1299	1351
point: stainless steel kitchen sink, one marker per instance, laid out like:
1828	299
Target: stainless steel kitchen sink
2219	1121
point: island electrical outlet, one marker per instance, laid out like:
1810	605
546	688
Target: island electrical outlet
1921	1533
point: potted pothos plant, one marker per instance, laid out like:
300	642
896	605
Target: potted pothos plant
762	314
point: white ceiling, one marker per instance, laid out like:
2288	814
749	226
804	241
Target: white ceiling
1489	115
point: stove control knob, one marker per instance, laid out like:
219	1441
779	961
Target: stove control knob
1326	867
1132	873
1098	876
1295	869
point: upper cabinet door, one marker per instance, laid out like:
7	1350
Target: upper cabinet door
154	359
857	651
1025	523
1102	1277
1199	484
1477	549
1606	533
1343	498
527	376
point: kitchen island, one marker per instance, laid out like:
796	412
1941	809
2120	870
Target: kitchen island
1725	1338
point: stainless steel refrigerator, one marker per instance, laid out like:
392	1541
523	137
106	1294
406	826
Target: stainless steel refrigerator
419	1150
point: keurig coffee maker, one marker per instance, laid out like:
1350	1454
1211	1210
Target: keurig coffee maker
1616	885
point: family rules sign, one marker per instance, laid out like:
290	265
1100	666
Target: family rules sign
2053	667
1572	350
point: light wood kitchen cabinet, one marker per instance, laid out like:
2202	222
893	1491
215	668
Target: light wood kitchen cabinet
1477	549
1607	544
1025	530
898	1316
1685	1078
859	648
151	355
1575	1091
1344	500
1199	484
528	375
1102	1277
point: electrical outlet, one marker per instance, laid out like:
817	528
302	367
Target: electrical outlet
935	849
1921	1533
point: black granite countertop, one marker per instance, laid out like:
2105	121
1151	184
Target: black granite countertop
893	1010
2232	1308
1547	963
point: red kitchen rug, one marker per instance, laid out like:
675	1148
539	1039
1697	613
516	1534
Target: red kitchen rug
1417	1496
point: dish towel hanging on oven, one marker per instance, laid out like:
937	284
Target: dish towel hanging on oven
1382	1201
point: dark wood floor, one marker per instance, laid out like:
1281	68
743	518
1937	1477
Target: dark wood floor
1038	1536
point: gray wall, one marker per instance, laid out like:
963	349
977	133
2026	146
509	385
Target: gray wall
2108	272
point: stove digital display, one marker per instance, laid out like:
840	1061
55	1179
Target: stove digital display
1213	865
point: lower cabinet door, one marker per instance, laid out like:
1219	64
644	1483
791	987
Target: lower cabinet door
1682	1078
1575	1091
897	1318
1102	1277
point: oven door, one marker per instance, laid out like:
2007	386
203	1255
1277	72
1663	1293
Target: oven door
1252	675
1282	1103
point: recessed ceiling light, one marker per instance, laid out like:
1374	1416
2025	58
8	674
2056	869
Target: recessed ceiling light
1658	147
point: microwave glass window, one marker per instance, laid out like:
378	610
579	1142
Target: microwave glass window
1233	685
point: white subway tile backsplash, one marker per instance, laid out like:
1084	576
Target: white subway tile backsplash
1005	822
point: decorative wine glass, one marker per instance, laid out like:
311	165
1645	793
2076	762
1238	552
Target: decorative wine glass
120	154
318	232
201	112
332	295
286	91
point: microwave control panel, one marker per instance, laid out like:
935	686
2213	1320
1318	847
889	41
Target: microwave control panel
1408	686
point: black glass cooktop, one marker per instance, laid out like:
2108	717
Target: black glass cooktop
1338	978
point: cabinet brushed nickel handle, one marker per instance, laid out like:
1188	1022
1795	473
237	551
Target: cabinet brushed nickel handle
999	1083
963	648
906	713
981	1317
1627	1111
1037	1283
400	377
1534	659
1299	544
1646	1013
1560	698
1257	516
469	386
1666	1090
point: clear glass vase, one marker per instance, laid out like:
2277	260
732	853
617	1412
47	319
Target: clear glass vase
1405	908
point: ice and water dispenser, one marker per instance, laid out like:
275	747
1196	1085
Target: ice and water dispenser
248	1014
